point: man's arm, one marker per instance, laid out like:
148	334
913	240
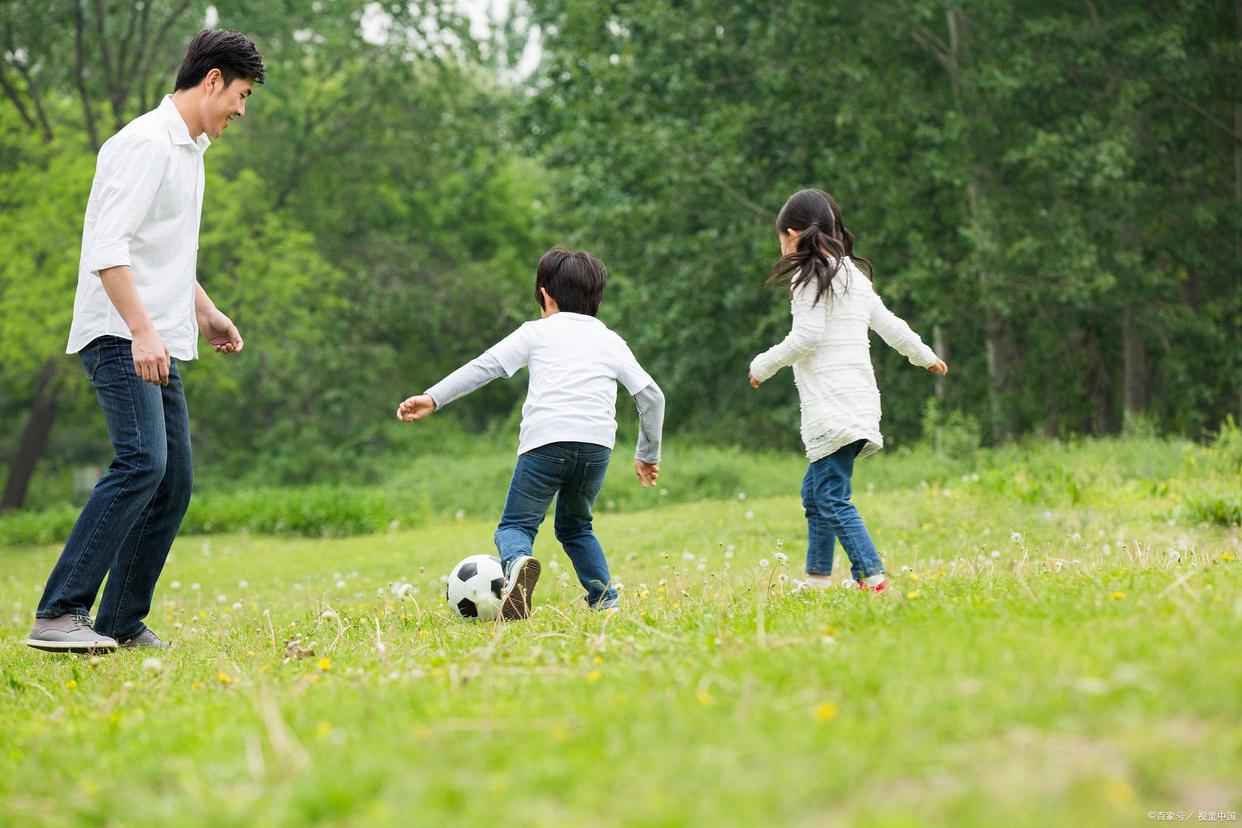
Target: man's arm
217	329
151	358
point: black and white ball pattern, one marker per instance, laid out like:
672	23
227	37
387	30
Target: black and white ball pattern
474	587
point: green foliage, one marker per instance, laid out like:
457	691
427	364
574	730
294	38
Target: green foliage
310	511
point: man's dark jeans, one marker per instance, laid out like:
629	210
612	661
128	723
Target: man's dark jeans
128	524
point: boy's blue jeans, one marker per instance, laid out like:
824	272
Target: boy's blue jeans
128	524
573	473
830	515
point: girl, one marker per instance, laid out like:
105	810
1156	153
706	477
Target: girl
834	305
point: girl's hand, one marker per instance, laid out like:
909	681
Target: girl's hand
416	408
754	383
938	367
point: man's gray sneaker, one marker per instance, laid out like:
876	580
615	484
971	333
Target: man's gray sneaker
68	634
606	605
515	600
146	639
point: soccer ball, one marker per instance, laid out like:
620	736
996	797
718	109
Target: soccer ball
474	587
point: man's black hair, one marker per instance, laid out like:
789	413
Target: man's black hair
231	52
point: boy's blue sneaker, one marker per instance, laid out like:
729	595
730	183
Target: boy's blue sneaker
515	600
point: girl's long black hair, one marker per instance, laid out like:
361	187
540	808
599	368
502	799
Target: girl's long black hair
823	242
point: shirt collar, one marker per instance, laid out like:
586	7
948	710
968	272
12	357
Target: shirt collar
577	317
177	130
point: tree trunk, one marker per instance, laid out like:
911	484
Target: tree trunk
1237	182
34	438
1134	359
941	346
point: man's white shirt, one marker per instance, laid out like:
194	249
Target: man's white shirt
144	210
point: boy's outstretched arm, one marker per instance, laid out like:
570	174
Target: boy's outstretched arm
469	377
650	404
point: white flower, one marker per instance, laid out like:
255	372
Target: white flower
750	515
329	614
701	567
341	584
687	556
221	598
460	514
728	551
175	585
995	553
237	605
781	557
763	562
404	590
905	568
195	587
1016	537
243	584
1075	537
741	495
1107	550
153	665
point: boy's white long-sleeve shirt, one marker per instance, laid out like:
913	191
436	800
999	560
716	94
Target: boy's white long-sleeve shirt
575	364
830	352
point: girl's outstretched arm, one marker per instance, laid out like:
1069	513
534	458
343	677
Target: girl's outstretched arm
809	323
899	336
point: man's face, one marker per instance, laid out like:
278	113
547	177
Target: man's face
224	103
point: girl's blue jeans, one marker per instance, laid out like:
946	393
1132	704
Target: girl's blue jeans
830	515
573	473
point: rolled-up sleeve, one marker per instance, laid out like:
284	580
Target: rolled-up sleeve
127	179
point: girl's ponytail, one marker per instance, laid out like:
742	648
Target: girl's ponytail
823	242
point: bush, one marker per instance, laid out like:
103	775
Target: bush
310	511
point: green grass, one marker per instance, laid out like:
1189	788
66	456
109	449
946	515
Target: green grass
1083	672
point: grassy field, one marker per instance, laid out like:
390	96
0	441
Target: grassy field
1062	649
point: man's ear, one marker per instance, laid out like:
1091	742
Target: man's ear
212	81
544	298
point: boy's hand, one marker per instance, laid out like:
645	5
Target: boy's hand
648	473
416	408
938	367
754	383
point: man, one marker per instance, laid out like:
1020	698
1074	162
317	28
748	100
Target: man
138	311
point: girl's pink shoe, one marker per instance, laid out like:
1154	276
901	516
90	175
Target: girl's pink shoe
880	587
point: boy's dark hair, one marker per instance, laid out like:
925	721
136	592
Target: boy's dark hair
231	52
573	278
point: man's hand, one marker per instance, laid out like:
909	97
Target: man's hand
754	383
938	367
220	332
648	473
151	357
416	408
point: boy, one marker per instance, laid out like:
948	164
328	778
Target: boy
568	423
